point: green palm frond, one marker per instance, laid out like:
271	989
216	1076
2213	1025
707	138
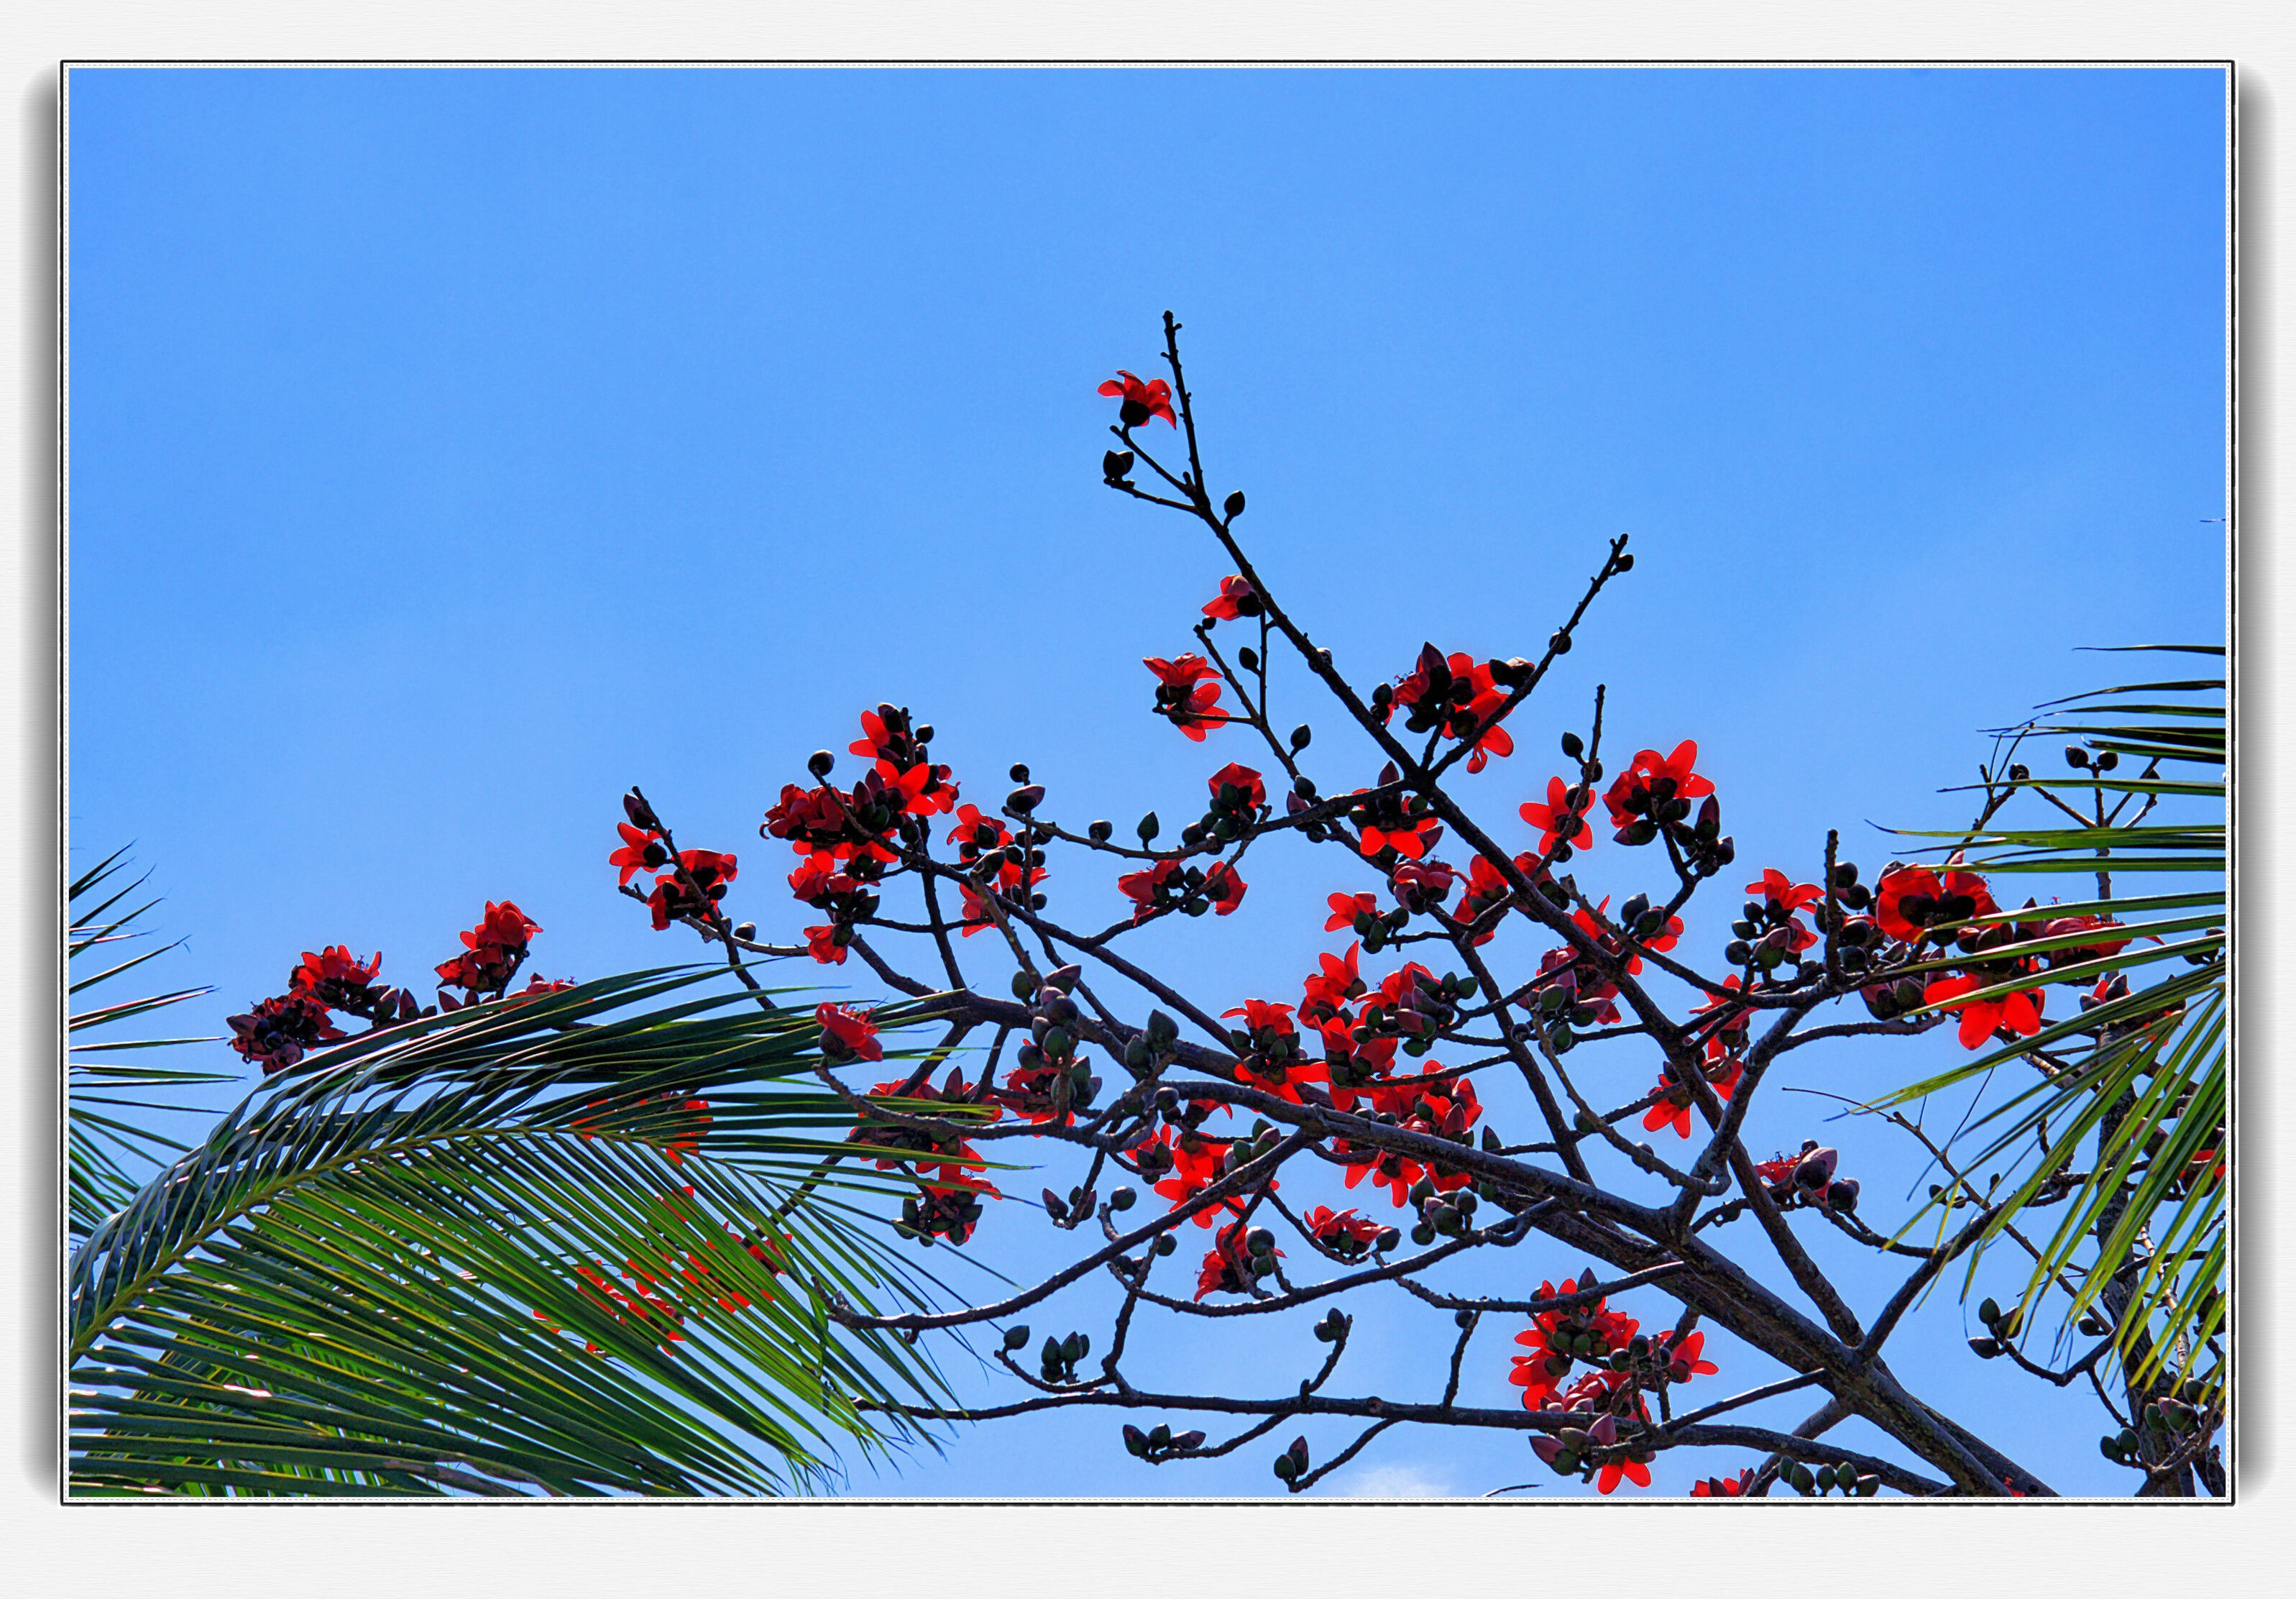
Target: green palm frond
580	1244
110	1146
2135	1089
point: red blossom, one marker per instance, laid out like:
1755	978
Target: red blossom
976	833
1909	900
334	967
1260	1015
1627	1467
1236	598
1686	1359
340	981
2018	1013
1553	1334
1224	887
1723	1488
1250	791
492	951
848	1035
1195	1166
1410	837
1674	1109
276	1034
1455	693
1328	989
1342	1232
823	944
1347	909
1562	819
1161	884
1784	892
1651	779
710	871
1187	695
1228	1269
1142	400
642	850
1420	886
817	879
1396	1173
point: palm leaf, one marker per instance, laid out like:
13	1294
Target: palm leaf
2141	1100
503	1251
110	1148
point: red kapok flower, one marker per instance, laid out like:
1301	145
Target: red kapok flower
1342	1232
1723	1488
276	1034
821	943
1686	1359
1409	837
641	851
1784	892
1258	1014
1141	401
1188	691
1562	819
491	951
1638	787
1911	900
1346	908
2018	1013
1386	1168
1250	791
1627	1467
848	1035
1227	1269
342	981
1236	598
1453	692
1329	988
711	872
1161	885
1224	887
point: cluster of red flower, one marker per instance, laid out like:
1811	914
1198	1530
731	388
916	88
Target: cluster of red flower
277	1032
1454	694
1626	1365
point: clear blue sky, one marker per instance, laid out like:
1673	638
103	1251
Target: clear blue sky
450	450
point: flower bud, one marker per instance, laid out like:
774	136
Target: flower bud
1233	504
1016	1338
1166	1244
1116	466
1149	827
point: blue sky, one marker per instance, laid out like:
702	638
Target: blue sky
450	450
